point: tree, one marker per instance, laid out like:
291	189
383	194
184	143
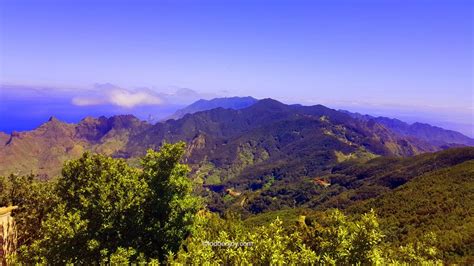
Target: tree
170	206
341	241
109	211
99	210
366	239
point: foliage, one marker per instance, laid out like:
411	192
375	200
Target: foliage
333	239
422	251
439	186
170	207
340	241
440	202
103	210
351	182
99	208
109	211
215	245
34	198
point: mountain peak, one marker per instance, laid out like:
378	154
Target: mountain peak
88	119
52	122
270	101
270	104
123	121
235	103
53	119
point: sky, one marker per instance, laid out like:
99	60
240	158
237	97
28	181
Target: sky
407	59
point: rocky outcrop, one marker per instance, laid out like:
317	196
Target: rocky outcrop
8	238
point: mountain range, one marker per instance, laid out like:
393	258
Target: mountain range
246	138
435	135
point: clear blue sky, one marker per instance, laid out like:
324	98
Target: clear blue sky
407	54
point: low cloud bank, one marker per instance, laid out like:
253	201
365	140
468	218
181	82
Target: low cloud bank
120	97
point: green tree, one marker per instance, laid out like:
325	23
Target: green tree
170	206
422	251
99	210
111	212
366	239
341	241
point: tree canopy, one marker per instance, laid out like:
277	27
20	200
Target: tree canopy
105	208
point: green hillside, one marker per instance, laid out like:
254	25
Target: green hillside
441	202
348	183
429	197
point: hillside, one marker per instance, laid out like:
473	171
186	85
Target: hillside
271	137
344	184
441	202
422	131
3	138
42	151
413	197
361	181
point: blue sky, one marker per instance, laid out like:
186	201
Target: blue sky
406	59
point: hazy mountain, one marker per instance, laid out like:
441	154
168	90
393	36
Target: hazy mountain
432	134
203	105
266	137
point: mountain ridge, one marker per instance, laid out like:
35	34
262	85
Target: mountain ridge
226	142
435	135
203	105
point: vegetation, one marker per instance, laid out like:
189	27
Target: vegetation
344	184
102	210
439	186
441	204
332	240
34	198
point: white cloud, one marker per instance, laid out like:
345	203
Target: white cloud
108	94
118	96
130	99
86	101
